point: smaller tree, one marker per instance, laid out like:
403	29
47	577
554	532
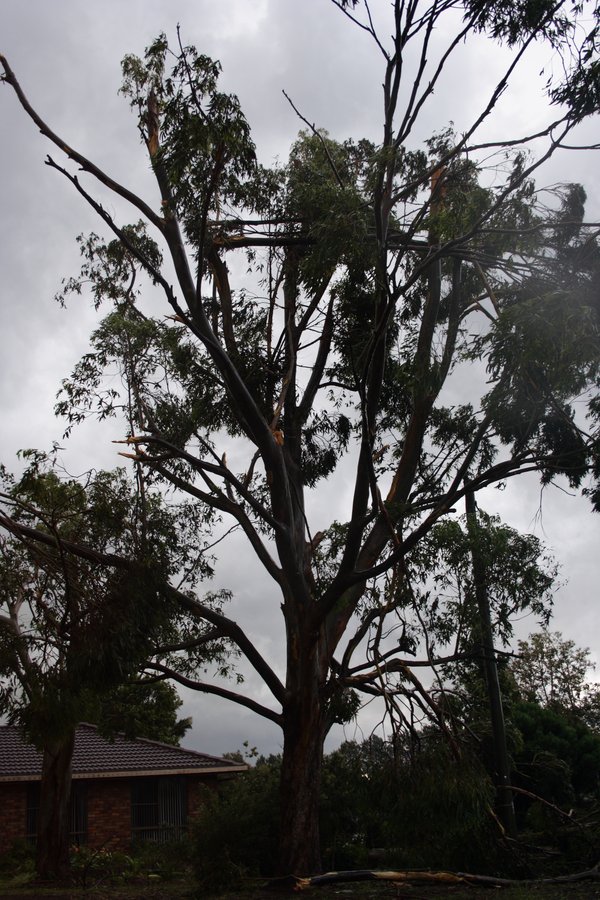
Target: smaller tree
359	794
236	830
476	575
556	755
553	672
73	627
520	576
143	709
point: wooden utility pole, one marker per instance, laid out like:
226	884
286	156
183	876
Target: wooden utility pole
504	794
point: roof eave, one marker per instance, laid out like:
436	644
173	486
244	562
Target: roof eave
131	773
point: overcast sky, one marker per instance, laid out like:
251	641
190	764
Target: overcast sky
67	55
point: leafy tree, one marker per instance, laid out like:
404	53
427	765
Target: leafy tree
371	268
553	672
360	793
556	757
73	628
420	803
143	709
520	578
441	816
553	746
477	575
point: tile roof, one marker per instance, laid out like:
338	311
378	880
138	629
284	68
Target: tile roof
97	757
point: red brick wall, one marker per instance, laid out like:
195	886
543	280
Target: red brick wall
13	810
197	790
108	810
108	805
109	813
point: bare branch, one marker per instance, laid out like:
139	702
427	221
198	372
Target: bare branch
84	163
205	687
322	140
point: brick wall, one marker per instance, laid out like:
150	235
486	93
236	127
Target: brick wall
108	810
13	810
109	813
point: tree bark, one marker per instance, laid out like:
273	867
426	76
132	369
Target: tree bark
299	848
52	853
304	731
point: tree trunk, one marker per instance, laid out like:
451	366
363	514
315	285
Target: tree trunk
52	854
303	736
299	847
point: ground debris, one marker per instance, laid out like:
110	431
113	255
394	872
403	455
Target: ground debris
294	883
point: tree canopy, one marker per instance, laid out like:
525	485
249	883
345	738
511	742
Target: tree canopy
554	672
143	710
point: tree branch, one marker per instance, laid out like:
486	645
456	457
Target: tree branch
206	688
86	165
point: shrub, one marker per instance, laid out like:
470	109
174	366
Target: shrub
236	831
19	860
167	860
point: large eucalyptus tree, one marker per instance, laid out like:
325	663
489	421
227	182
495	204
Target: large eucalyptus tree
372	276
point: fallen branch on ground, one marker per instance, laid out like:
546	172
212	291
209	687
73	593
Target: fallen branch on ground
295	883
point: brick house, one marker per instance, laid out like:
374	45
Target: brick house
122	791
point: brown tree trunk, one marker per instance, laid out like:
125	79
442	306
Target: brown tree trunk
299	847
52	854
303	736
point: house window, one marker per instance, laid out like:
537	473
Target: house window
78	828
77	813
158	809
33	805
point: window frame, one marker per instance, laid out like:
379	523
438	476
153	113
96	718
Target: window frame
158	808
78	812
